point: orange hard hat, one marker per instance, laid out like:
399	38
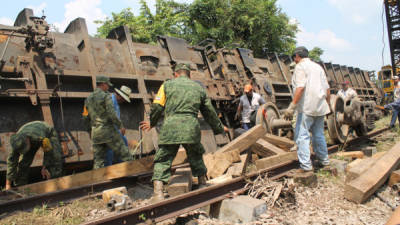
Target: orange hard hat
248	88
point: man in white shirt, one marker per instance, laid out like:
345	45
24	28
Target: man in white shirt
311	97
248	106
347	92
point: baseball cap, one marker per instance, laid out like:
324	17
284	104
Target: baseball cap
248	88
103	79
301	51
182	66
346	82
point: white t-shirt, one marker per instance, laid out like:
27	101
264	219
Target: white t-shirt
348	94
248	108
311	76
397	91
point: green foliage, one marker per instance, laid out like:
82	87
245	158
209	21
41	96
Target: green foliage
253	24
315	53
169	19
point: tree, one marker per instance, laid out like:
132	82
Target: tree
253	24
315	54
169	19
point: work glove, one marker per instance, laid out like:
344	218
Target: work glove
45	173
8	184
330	110
288	113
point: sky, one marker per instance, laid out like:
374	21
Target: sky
349	31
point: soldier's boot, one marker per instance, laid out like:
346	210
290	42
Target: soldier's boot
158	194
202	181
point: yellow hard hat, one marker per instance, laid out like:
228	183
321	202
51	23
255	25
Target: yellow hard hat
46	145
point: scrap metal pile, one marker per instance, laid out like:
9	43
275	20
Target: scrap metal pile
47	75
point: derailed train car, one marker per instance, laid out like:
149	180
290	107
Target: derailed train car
47	75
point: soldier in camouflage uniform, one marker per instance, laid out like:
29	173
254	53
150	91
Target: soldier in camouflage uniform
24	144
180	99
100	116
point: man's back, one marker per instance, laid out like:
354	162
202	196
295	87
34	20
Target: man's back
102	116
184	99
35	130
184	96
313	78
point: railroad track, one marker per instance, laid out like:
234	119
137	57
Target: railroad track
163	210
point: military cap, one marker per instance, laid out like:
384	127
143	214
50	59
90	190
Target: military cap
103	79
18	143
301	51
182	66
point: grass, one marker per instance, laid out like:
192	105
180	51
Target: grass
74	213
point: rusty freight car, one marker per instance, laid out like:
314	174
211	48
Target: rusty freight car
47	75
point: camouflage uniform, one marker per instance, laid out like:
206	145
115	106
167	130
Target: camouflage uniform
181	99
100	114
36	131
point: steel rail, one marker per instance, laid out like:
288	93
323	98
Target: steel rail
53	198
187	202
67	195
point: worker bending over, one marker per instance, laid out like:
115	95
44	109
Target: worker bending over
24	145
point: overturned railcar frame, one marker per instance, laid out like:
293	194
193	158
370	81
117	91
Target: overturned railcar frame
47	75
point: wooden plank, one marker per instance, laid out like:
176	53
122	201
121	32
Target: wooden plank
180	157
268	147
220	179
279	141
217	163
355	171
365	185
245	140
394	178
90	177
275	160
237	168
180	182
353	164
352	154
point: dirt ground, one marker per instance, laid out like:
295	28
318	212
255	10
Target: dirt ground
323	204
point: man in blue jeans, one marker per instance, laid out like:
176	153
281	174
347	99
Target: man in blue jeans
121	96
311	97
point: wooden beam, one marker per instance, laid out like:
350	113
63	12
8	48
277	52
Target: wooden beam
90	177
279	141
365	185
180	182
356	170
275	160
352	154
130	168
245	140
264	148
217	163
394	178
